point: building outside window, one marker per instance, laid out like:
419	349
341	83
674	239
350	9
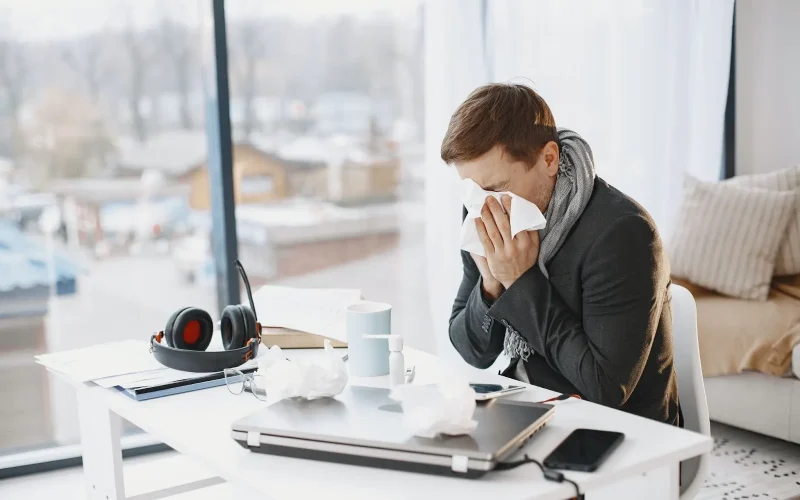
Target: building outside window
105	202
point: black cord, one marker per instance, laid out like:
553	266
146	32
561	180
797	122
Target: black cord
549	474
577	489
247	287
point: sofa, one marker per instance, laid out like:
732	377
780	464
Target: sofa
736	248
750	352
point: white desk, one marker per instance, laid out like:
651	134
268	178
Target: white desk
198	424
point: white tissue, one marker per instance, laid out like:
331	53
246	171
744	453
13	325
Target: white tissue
321	377
524	216
430	410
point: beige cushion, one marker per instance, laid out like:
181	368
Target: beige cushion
727	237
738	335
788	260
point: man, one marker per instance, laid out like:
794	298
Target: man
581	306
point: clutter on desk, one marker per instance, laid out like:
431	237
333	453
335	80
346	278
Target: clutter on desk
410	374
290	314
368	325
184	341
238	382
397	373
288	338
130	367
103	360
194	382
318	377
431	410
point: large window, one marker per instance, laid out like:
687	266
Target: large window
327	112
104	186
101	134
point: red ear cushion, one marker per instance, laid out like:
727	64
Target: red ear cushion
191	332
192	329
170	324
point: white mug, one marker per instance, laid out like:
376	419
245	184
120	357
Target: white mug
368	357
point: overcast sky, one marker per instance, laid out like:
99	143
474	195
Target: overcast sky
40	20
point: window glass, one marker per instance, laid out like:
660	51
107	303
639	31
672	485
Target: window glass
327	102
102	151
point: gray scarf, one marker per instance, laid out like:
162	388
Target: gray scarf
573	189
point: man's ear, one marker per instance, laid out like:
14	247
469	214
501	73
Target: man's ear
550	156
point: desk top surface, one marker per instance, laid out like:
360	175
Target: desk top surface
199	424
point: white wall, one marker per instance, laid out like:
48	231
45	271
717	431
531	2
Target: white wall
767	85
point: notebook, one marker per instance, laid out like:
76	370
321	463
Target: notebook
177	387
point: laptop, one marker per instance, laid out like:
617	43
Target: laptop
362	426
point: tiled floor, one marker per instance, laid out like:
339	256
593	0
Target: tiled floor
743	466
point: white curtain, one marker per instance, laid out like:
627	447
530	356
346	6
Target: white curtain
454	66
644	82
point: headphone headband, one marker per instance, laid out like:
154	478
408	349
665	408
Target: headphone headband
240	267
202	361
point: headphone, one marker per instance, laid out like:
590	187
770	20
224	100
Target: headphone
189	330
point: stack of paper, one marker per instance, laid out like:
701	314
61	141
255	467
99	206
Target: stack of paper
319	311
102	360
128	365
158	377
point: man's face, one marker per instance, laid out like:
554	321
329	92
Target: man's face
497	171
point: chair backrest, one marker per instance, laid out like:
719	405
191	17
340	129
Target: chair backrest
691	390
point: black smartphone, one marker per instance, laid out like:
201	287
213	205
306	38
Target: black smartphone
583	450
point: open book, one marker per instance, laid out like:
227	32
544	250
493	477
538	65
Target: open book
303	317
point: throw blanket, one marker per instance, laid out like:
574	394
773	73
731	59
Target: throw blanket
738	335
573	189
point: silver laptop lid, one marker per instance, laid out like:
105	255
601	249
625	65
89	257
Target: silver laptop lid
365	416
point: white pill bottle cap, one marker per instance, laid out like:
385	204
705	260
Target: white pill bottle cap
395	343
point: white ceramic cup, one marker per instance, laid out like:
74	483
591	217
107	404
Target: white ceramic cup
368	357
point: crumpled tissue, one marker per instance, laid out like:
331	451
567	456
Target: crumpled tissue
431	410
524	215
320	377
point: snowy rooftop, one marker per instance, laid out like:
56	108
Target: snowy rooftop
177	152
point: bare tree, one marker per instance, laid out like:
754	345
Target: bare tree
345	63
69	137
139	58
380	56
85	59
13	80
249	46
181	58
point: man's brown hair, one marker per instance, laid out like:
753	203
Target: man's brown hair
509	114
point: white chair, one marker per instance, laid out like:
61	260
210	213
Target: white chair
691	390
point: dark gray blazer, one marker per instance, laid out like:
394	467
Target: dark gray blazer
601	326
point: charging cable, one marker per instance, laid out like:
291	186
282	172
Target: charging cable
549	474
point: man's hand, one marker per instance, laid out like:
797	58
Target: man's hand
491	287
508	258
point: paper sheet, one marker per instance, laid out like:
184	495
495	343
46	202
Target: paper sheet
161	376
102	360
128	364
320	311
